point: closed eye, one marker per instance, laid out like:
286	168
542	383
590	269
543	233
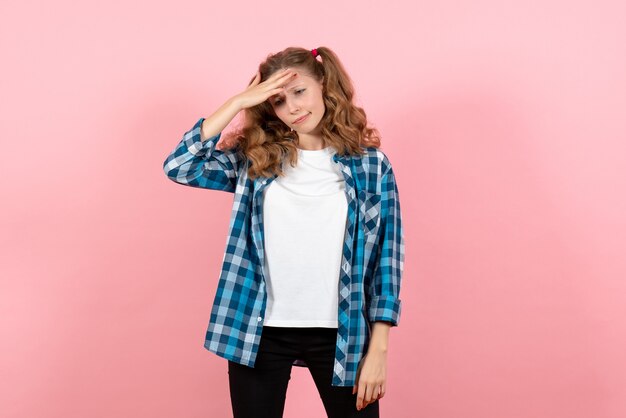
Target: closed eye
279	101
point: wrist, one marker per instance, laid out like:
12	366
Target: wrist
235	104
377	347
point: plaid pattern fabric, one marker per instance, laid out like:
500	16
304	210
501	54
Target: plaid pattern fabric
372	261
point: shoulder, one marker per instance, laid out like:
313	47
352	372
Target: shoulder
374	160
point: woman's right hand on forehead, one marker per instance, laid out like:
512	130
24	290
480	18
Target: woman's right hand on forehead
257	92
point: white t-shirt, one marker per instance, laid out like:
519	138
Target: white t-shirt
304	221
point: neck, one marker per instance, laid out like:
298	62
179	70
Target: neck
311	141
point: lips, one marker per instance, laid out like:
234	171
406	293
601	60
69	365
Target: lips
300	119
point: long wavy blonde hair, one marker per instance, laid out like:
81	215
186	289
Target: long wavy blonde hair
267	142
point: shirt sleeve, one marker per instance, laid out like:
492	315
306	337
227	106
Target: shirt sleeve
384	289
200	164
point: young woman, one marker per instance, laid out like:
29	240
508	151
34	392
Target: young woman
315	252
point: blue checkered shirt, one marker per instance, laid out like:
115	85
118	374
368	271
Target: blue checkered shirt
371	264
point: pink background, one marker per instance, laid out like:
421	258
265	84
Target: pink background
505	124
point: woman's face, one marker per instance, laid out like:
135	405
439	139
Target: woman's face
301	97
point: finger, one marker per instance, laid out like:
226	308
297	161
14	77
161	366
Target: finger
275	91
283	79
368	393
360	396
253	81
271	93
257	78
375	393
354	388
278	74
357	386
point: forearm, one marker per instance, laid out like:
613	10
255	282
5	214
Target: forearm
216	123
379	340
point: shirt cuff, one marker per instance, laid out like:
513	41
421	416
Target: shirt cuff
385	308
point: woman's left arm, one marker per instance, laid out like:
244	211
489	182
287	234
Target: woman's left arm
383	294
372	373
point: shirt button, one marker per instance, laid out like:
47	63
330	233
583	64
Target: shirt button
346	266
259	319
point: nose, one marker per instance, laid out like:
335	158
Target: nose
292	105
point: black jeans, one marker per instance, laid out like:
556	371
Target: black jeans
259	391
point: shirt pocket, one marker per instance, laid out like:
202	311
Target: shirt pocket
370	212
